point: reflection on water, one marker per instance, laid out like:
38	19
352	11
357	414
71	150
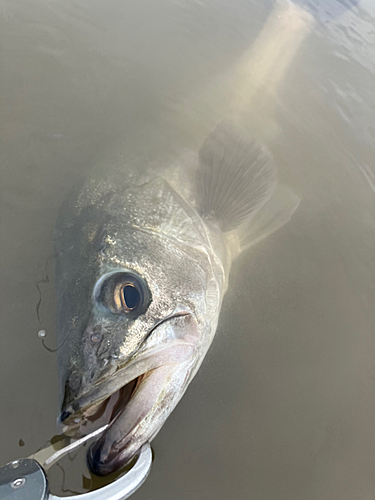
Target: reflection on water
283	405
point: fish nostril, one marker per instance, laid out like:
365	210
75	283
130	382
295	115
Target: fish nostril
96	334
95	338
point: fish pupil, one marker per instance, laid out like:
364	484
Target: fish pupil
131	297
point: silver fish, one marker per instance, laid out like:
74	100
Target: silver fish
143	260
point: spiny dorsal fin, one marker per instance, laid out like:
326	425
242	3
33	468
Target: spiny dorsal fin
236	176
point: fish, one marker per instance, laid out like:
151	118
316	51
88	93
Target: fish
143	257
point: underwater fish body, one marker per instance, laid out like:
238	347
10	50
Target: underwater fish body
143	261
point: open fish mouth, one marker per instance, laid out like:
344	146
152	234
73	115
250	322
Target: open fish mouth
134	403
89	419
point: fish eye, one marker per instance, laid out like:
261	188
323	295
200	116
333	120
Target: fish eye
123	293
127	297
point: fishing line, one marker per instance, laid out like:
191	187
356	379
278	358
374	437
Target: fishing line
49	349
64	489
43	280
42	333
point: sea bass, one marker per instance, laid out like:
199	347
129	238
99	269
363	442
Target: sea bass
143	259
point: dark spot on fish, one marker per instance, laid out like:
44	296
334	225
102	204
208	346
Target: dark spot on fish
95	462
64	415
21	442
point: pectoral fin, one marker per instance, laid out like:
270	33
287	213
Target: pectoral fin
273	215
235	178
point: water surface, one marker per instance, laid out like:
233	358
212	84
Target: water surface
283	406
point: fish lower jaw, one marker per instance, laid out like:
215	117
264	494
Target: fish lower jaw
153	398
134	415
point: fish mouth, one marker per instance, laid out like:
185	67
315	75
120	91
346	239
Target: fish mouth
134	403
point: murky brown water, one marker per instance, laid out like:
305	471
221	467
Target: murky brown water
283	406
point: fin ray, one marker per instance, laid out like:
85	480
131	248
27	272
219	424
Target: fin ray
235	177
273	215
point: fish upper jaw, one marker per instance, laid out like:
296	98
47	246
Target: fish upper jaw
93	382
173	352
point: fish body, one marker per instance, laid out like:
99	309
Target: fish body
143	260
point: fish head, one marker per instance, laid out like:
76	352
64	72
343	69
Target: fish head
137	309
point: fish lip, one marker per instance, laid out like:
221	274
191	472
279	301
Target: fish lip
117	380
